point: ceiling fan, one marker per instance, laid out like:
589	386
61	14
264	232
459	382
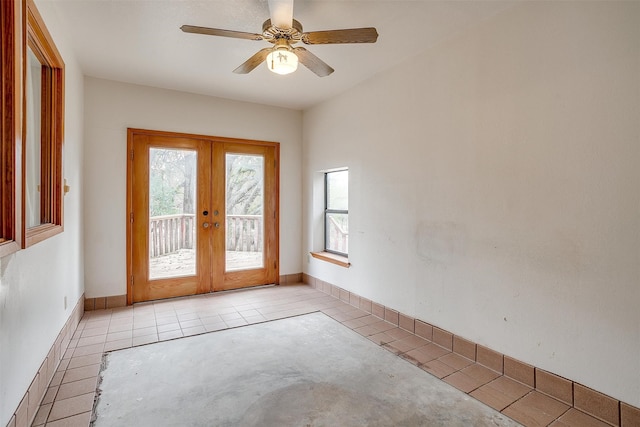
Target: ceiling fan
283	32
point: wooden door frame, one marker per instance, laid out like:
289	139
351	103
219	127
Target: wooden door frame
131	132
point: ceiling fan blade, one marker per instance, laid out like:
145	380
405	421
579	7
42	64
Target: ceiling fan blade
224	33
351	35
281	12
251	63
312	62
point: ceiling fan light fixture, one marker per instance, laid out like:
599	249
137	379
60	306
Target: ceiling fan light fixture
282	61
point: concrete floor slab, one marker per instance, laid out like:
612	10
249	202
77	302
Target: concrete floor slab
302	371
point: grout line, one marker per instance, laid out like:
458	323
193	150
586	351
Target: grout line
560	416
620	412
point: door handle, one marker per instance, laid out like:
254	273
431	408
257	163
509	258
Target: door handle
205	225
216	224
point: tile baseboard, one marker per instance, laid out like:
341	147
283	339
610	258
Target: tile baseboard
30	403
572	393
102	303
291	279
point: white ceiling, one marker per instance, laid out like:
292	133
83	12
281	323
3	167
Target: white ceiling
139	41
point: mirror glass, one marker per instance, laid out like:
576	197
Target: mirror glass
33	154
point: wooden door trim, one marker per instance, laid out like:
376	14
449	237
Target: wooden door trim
131	132
129	213
222	139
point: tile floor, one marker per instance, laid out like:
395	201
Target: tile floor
70	396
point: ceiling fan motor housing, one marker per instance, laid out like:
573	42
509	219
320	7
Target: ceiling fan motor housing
272	33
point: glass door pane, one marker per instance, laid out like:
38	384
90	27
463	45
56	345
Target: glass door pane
172	202
244	239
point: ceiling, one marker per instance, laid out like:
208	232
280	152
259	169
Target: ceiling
140	42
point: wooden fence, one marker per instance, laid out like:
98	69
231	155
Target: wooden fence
338	237
244	233
170	233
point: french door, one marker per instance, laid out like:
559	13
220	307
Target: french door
202	214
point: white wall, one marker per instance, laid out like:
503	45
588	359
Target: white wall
111	107
494	188
35	281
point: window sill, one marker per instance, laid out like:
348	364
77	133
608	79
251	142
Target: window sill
340	260
41	232
8	247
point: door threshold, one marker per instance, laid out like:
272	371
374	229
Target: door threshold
208	294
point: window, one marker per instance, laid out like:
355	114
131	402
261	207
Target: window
43	133
31	129
336	212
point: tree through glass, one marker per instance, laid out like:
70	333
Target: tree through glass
172	202
244	212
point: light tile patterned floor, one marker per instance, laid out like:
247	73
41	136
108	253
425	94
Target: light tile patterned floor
69	399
